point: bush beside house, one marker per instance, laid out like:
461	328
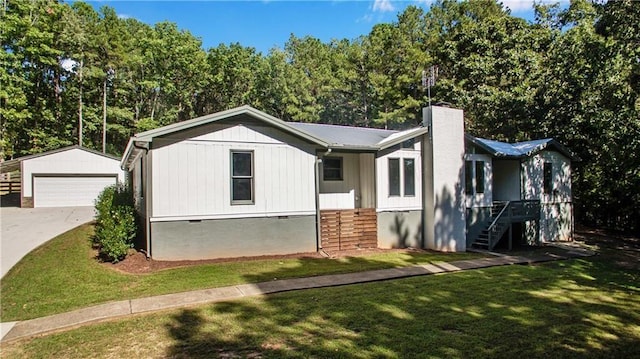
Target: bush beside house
115	222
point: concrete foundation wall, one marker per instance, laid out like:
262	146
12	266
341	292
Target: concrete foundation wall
477	219
400	229
229	238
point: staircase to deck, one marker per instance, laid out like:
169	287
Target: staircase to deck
503	215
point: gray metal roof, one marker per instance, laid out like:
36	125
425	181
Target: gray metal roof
326	136
520	149
346	136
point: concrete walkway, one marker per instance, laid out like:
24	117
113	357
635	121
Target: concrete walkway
38	326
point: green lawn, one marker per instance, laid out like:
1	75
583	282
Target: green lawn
586	308
62	275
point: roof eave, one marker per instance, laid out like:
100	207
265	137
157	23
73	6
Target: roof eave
409	135
480	144
148	136
131	153
338	147
564	150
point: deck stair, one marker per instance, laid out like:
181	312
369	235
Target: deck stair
503	215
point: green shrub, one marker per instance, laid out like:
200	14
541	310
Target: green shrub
115	222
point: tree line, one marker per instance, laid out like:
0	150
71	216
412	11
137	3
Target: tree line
572	74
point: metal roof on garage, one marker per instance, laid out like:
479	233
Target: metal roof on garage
14	164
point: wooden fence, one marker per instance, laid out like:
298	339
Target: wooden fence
349	229
8	187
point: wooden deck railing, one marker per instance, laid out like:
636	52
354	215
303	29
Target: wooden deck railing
511	212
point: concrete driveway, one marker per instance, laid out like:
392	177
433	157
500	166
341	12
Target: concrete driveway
24	229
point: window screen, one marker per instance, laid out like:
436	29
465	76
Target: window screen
479	176
468	177
332	168
394	177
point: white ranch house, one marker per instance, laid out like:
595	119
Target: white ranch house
244	183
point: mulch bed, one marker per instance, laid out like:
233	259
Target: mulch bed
137	262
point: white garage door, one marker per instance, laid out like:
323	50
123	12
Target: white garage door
68	191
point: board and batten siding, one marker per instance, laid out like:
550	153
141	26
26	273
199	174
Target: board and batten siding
367	181
72	162
385	202
484	199
350	181
556	212
191	179
506	179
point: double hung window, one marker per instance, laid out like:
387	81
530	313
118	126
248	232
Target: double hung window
242	177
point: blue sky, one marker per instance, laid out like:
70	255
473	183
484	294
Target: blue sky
267	24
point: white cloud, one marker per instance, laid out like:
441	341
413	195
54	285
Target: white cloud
526	5
383	6
365	18
124	16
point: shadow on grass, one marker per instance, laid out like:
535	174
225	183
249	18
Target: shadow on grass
577	308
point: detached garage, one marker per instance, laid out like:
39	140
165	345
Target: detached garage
70	176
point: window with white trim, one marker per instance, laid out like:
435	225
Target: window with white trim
242	177
394	177
332	169
402	177
474	177
409	170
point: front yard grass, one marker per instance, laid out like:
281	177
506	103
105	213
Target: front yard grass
582	308
62	275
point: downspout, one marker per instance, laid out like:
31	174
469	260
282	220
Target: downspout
318	218
147	199
522	193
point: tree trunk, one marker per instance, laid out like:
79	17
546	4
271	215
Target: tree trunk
104	116
80	108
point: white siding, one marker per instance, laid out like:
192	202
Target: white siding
350	177
506	180
367	181
385	202
556	214
337	200
481	199
534	177
73	161
192	178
